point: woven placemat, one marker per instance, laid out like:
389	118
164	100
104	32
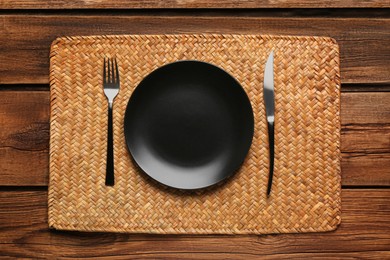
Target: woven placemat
306	189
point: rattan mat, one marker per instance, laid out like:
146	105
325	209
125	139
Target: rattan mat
306	188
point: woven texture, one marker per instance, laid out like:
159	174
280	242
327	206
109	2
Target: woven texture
306	188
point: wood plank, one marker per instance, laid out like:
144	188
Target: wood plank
365	229
366	138
362	169
364	108
365	120
24	138
26	39
18	167
138	4
24	117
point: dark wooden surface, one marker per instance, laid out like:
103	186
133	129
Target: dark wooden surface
362	29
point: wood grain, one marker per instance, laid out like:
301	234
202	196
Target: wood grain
366	118
27	38
365	138
374	138
365	230
24	139
127	4
24	136
362	169
376	108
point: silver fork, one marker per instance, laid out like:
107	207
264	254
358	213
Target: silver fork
111	89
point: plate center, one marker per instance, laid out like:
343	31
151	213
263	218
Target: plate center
186	127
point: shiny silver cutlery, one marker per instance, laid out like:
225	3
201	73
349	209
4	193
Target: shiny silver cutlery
269	101
111	89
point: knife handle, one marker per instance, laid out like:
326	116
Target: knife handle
271	154
110	150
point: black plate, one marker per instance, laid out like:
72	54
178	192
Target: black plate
189	125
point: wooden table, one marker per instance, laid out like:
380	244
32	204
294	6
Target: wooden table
362	29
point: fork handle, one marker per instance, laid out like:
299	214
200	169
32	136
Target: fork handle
110	149
271	155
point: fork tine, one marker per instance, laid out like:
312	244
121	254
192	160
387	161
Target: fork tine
117	71
104	71
112	71
108	70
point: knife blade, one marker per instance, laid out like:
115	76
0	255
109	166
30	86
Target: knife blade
269	101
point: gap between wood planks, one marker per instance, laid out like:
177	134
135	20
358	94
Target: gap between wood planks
214	12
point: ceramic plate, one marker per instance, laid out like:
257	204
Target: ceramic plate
189	125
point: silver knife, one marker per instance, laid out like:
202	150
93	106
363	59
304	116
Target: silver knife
269	101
